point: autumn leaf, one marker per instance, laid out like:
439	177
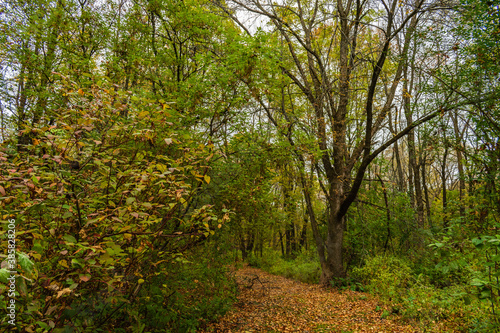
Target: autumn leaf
85	277
65	291
63	263
270	303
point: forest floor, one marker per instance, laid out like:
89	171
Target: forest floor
270	303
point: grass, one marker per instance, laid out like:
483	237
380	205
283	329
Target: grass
304	267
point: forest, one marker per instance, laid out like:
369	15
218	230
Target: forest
150	148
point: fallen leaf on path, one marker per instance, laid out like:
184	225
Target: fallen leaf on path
270	303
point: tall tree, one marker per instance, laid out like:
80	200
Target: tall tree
328	46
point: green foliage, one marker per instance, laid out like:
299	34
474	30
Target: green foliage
106	202
190	296
480	28
305	267
415	297
426	304
448	265
386	275
370	233
485	279
348	283
243	184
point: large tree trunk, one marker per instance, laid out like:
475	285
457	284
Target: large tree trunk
281	244
290	239
334	265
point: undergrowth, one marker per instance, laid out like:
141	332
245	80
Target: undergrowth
305	267
417	299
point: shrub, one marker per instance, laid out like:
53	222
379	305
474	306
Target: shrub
385	275
103	210
416	298
304	268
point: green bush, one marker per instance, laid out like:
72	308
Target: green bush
416	298
105	219
449	263
385	275
428	304
305	267
190	296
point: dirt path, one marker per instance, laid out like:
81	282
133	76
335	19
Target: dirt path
269	303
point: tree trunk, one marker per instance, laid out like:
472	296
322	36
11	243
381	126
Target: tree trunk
399	168
426	191
413	170
334	265
443	182
303	234
388	213
289	208
281	245
460	165
289	237
243	248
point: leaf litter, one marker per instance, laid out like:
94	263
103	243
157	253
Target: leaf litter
270	303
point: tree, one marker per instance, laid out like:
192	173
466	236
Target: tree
109	161
327	47
41	38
